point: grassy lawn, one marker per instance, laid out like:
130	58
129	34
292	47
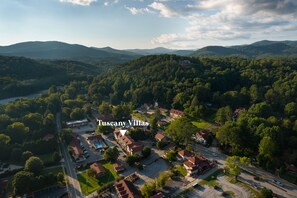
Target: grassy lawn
210	180
181	170
90	184
54	171
201	124
46	158
138	115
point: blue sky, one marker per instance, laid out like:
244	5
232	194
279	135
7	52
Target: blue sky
127	24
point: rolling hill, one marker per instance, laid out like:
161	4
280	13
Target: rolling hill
257	49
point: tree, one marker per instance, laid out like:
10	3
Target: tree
153	124
56	157
161	145
26	155
291	109
23	182
233	164
111	154
67	135
34	165
4	139
148	189
33	120
104	129
131	159
4	147
105	108
224	114
266	193
171	156
163	178
121	112
91	172
137	134
229	134
181	130
17	132
77	114
146	151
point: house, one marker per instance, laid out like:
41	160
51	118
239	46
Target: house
76	149
174	113
201	137
98	168
184	154
161	123
126	189
127	143
119	167
96	141
163	111
158	195
196	165
147	106
160	137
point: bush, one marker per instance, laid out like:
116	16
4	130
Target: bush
146	152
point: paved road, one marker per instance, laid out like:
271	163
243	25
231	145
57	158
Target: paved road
288	190
73	188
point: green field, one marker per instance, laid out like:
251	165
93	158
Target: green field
90	184
201	124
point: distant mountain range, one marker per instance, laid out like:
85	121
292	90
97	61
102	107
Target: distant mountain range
257	49
58	50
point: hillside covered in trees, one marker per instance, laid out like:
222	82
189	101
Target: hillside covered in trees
19	76
265	89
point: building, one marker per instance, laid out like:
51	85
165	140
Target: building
196	165
98	169
184	155
96	141
77	123
126	189
119	167
163	111
160	137
201	137
174	113
77	151
127	143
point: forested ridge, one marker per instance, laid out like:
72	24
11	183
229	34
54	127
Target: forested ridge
266	90
19	76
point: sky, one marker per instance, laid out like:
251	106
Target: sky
129	24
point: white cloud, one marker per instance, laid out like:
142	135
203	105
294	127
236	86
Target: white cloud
163	9
79	2
136	11
111	2
224	20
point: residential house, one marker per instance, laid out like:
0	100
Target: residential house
127	143
201	137
184	155
98	169
163	111
76	149
160	137
196	165
174	113
126	189
119	167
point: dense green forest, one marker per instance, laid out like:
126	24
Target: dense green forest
19	76
266	90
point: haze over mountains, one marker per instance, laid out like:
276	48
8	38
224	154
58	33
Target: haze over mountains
58	50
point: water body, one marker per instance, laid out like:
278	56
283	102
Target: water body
35	95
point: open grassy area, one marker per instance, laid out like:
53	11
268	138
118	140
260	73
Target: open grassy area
46	158
201	124
54	171
139	116
211	179
181	170
90	184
